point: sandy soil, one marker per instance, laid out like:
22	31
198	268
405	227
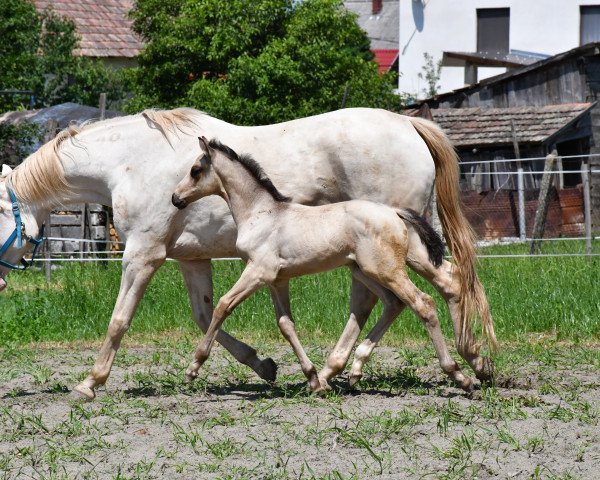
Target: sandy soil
403	421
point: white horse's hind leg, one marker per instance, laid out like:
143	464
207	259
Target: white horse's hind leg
281	301
362	301
249	282
392	308
198	278
446	281
137	272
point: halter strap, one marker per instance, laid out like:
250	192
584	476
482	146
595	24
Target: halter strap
17	214
17	235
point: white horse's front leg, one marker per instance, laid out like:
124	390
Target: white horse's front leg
248	283
138	269
198	278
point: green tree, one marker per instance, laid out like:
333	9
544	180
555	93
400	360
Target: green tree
36	55
255	62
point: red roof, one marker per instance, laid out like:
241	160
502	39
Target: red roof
103	26
385	58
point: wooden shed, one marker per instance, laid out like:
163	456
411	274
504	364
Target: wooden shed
551	103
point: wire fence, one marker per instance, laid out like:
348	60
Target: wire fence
88	253
529	159
117	256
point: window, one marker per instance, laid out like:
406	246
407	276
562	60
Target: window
590	24
493	29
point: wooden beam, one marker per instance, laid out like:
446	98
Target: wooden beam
544	199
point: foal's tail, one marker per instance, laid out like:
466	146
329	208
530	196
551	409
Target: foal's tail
429	237
458	233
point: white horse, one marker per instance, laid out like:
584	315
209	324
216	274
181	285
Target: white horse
133	164
281	240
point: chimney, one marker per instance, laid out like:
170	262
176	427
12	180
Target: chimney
377	4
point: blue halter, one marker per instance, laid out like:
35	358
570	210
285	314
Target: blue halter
18	234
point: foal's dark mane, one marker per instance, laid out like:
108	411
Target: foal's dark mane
253	169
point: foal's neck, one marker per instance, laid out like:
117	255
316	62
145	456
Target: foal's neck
245	195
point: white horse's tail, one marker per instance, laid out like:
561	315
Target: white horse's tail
429	237
459	235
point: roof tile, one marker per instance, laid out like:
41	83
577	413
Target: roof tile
103	25
476	126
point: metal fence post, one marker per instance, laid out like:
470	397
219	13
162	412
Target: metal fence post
521	188
587	211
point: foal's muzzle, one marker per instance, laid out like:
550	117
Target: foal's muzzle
180	203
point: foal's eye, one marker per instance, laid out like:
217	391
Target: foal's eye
195	171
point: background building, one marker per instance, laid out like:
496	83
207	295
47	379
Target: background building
477	39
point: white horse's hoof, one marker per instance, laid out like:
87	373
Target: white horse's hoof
320	389
485	372
83	392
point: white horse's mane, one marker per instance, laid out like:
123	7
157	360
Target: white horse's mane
41	177
171	122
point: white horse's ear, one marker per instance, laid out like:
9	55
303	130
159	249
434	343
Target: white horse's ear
6	170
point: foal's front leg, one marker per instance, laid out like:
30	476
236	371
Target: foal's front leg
280	293
250	281
198	278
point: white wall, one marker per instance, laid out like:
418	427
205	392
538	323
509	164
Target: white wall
541	26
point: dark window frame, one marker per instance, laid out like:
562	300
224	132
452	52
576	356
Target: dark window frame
582	8
488	13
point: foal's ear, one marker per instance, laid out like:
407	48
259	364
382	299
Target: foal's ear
204	145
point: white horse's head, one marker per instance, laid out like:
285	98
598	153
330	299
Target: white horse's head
201	181
14	225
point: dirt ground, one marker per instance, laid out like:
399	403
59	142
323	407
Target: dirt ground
540	420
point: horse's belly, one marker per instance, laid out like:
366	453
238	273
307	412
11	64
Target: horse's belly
307	265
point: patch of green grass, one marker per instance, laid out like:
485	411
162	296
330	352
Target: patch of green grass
553	297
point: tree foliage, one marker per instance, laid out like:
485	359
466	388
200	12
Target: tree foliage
254	62
36	55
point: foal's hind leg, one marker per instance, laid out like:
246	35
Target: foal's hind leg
424	307
445	279
385	266
198	278
281	300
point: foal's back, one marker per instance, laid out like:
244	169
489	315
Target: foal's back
311	239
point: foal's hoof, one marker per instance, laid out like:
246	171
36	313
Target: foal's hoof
83	392
191	373
485	372
354	378
267	370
